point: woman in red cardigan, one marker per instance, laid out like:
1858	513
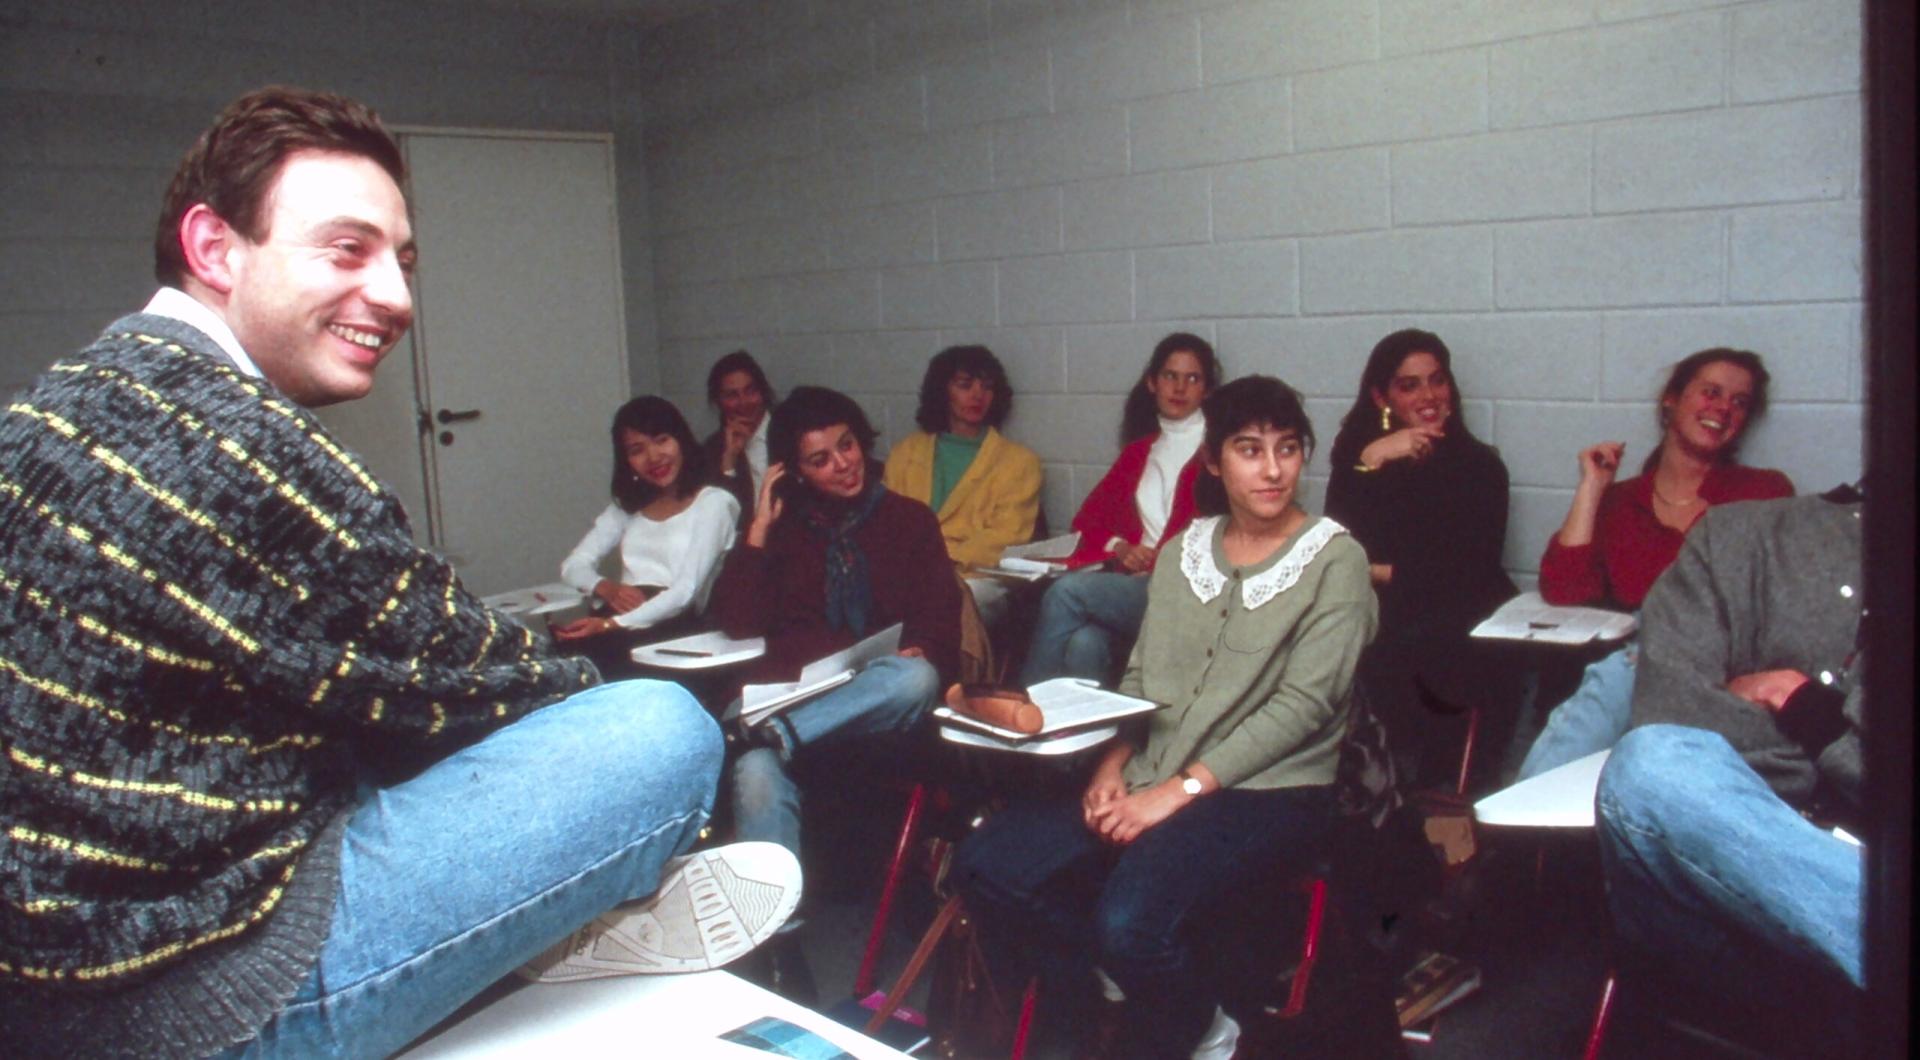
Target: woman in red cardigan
1619	536
1145	498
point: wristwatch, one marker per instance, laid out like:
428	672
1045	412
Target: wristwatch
1189	783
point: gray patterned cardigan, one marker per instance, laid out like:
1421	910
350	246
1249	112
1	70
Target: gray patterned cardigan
212	620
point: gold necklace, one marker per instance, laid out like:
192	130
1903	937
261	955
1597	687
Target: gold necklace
1671	503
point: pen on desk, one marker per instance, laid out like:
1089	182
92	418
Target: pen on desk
1543	625
684	652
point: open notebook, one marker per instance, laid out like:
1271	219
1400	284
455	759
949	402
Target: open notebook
1528	617
1066	704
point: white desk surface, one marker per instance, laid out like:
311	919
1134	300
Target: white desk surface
1558	798
708	650
635	1015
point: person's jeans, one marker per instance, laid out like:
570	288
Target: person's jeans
453	878
1036	868
890	695
1081	616
1592	719
1714	876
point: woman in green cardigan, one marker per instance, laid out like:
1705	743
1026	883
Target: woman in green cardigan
1256	617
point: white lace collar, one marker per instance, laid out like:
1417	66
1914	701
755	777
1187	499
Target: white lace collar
1207	580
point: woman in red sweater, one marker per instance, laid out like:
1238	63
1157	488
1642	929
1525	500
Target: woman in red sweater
1145	498
1619	536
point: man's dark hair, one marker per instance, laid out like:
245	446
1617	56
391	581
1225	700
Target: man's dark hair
1250	401
738	361
1141	415
233	165
935	414
813	408
654	416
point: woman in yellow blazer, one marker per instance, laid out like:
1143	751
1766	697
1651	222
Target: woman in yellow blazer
984	489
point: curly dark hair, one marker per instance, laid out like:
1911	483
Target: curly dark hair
1361	425
1141	416
650	415
934	414
813	408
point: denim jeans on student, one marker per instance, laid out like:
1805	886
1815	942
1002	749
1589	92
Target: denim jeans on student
890	695
452	879
1713	876
1592	719
1035	868
1081	616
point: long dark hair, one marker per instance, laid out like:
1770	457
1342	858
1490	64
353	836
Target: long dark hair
1142	416
652	416
1250	401
814	408
1683	373
1361	425
934	414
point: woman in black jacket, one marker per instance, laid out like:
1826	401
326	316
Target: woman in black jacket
1429	502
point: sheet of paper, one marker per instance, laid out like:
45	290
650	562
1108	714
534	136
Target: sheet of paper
1054	548
1528	617
757	701
1067	703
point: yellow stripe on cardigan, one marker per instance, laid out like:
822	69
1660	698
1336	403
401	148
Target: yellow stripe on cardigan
84	701
45	602
233	448
43	906
169	951
83	851
301	420
180	792
121	466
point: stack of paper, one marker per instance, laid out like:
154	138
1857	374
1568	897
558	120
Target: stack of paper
760	702
1528	617
1069	705
1032	562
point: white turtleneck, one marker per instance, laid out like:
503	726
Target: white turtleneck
1178	441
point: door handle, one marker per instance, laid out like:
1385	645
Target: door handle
445	416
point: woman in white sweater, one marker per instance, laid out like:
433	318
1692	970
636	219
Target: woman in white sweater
669	529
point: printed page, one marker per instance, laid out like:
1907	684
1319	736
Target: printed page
1528	617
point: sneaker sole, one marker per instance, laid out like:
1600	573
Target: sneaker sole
712	907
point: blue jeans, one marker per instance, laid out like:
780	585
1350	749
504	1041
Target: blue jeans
890	695
1592	719
452	879
1710	873
1081	616
1036	869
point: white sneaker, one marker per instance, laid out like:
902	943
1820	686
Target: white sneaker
1222	1036
712	906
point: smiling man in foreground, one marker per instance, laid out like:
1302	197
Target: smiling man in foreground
272	781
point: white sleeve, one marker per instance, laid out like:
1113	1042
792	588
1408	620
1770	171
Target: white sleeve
581	568
706	532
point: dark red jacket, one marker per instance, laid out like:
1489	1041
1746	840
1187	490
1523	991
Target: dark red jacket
1110	512
780	592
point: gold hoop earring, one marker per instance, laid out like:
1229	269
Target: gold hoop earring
1386	419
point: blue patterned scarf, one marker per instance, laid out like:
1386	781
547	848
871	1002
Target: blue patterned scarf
849	595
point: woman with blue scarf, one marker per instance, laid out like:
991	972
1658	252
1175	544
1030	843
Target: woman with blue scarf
830	557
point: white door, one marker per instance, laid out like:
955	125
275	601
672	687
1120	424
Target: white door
518	354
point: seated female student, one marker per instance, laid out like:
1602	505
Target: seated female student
832	556
1145	499
737	452
1429	502
1256	618
984	488
669	529
1619	536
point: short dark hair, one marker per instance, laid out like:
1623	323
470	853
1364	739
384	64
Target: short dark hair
738	361
1141	416
1250	401
814	408
652	416
1690	366
934	415
233	165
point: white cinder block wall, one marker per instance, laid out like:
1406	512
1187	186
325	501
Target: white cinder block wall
1573	193
99	99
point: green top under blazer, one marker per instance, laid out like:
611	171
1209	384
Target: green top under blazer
1255	664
